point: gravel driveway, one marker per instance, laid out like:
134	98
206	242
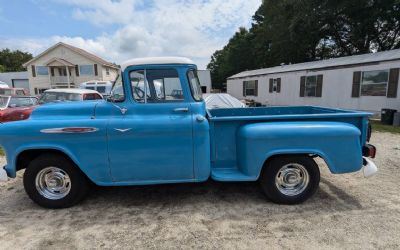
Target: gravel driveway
348	211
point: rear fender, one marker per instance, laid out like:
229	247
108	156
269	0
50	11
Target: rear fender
337	143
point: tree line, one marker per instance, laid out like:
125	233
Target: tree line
12	60
294	31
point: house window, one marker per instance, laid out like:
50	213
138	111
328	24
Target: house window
86	70
374	83
42	70
275	85
250	88
311	86
107	71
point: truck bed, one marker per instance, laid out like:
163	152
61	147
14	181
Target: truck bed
273	113
225	123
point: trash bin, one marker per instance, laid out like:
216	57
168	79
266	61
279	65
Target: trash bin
387	116
396	119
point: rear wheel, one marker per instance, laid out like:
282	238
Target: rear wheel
53	181
290	179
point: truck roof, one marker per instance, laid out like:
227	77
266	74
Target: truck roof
155	60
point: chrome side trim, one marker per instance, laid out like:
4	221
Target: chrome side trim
69	130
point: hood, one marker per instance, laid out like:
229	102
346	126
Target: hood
51	111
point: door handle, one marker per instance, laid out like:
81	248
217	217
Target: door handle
181	110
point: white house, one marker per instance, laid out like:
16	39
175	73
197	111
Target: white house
364	82
66	66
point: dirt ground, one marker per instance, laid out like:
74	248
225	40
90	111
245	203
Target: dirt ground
348	211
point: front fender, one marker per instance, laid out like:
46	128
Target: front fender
337	143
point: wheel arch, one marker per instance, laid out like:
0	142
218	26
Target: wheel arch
308	153
25	156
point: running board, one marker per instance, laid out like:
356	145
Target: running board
230	174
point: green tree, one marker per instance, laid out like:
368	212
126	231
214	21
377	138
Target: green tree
13	60
294	31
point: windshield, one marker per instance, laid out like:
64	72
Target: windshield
16	102
59	97
4	101
195	85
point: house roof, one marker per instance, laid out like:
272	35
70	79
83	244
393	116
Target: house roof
155	60
389	55
77	50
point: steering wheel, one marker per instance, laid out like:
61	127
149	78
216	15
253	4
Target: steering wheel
139	92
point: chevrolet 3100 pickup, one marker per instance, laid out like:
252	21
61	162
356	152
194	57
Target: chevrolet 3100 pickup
154	128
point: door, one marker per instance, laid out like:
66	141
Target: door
152	141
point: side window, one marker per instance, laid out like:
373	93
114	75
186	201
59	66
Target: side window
195	85
156	85
138	87
117	93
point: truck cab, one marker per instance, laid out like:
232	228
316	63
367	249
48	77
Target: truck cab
154	128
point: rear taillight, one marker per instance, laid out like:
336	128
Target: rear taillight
369	151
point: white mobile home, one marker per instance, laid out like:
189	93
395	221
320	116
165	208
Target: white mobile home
364	82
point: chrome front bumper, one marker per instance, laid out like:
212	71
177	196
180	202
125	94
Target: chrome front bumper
369	169
3	175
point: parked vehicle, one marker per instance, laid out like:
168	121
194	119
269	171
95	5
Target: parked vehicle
154	138
13	91
69	95
3	85
14	108
103	87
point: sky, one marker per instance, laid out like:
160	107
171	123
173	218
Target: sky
118	30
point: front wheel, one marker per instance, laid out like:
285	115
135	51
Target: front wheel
290	179
53	181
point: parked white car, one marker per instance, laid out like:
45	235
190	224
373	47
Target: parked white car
103	87
62	95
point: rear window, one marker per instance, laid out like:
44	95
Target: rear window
5	92
101	89
91	97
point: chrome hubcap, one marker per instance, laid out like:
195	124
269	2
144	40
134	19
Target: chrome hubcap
53	183
292	179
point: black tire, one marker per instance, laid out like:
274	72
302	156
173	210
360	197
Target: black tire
78	183
272	168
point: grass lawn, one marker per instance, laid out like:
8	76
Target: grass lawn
377	126
1	151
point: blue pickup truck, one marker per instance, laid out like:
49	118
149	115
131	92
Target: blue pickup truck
154	128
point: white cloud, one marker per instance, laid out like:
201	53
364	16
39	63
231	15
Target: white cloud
191	28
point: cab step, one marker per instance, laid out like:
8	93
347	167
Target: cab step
230	174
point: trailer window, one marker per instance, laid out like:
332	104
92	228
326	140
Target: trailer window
374	83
